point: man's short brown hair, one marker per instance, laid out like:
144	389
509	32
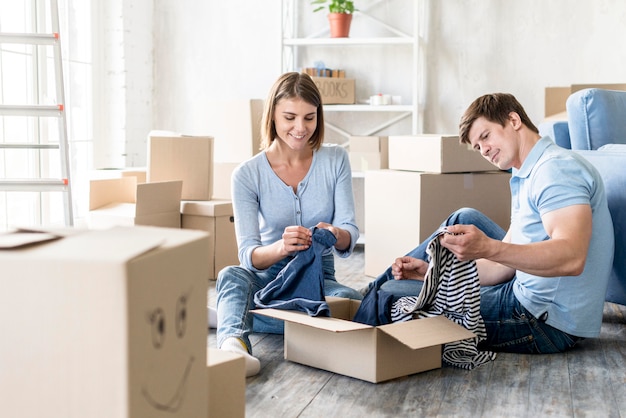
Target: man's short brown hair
495	107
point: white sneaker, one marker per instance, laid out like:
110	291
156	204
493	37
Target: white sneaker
236	345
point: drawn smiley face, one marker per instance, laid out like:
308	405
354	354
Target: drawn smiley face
166	331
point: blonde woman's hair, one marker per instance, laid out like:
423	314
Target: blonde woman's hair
292	85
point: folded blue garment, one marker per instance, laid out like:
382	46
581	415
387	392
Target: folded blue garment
300	284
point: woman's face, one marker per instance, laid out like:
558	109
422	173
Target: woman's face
295	121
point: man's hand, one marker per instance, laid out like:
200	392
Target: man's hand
466	242
409	268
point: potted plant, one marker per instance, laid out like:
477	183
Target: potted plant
339	15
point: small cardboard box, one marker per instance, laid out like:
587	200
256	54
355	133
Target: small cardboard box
426	200
335	90
105	323
369	153
222	173
556	97
236	126
227	384
121	201
216	218
186	158
374	354
434	154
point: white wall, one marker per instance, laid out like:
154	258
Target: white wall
520	47
123	82
210	50
207	49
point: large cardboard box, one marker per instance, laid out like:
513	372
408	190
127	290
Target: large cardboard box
222	174
216	218
236	126
335	90
227	384
186	158
105	323
121	201
403	208
374	354
368	153
435	154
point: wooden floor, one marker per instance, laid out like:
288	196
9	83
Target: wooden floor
589	381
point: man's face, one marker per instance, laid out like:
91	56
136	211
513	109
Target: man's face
495	143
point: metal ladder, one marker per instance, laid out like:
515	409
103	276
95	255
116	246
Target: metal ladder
40	184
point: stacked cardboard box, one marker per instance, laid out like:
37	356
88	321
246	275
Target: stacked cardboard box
191	159
216	218
181	157
366	153
429	177
369	152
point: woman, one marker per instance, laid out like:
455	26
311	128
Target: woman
292	185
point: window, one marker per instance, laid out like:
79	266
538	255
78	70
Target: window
27	77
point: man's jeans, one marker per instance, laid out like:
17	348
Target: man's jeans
236	287
510	327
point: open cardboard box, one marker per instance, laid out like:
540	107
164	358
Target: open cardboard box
374	354
123	202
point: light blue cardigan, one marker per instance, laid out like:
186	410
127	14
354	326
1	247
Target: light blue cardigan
264	205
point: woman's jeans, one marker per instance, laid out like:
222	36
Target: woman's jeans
510	327
236	287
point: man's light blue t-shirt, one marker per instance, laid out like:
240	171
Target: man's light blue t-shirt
551	178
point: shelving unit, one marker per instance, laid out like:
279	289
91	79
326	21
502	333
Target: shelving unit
293	42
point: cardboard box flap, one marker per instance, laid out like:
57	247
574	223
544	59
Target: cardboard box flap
95	245
324	323
158	197
18	239
207	208
426	332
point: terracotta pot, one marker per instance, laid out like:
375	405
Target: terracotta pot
339	24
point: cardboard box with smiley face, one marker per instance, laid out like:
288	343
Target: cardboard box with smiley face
106	323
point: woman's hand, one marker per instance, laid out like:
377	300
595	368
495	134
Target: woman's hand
295	238
409	268
343	236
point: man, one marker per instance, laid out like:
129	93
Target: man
543	282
